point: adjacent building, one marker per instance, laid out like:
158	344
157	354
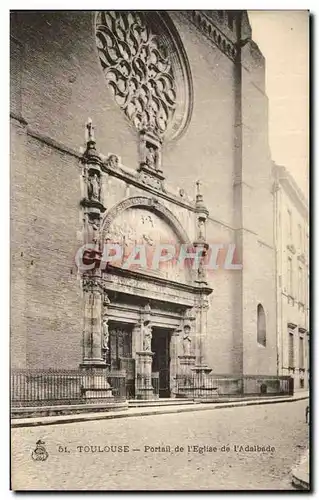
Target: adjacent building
292	263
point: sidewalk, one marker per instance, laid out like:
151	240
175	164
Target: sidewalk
157	410
300	474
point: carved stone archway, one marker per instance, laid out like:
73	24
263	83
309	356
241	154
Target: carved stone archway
151	204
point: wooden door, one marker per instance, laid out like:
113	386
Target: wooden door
161	360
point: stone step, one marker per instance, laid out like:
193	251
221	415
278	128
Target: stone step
68	409
140	403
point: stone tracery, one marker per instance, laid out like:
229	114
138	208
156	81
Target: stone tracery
138	68
146	68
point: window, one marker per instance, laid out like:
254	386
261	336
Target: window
230	20
261	326
300	238
289	225
300	286
301	353
289	277
291	359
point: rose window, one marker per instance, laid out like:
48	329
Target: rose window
146	68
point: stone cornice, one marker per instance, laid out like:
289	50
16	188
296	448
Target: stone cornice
114	171
209	27
132	178
287	182
193	289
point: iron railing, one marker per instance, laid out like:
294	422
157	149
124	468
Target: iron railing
39	387
207	386
155	383
144	382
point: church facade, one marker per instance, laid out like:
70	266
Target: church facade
143	130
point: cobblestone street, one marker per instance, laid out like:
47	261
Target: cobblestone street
280	427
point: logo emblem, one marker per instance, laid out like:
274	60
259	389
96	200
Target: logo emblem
40	453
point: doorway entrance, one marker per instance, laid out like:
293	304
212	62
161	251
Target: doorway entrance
161	360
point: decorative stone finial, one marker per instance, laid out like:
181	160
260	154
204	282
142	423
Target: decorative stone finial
89	131
202	214
200	206
90	139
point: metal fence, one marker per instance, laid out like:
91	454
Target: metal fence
155	383
39	387
207	386
143	384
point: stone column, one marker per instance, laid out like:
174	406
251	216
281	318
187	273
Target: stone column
174	364
187	354
144	357
92	331
95	325
95	383
105	331
201	370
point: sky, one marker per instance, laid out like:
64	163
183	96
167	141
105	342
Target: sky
282	37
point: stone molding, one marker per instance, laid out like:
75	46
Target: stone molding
163	283
292	326
114	169
151	204
206	26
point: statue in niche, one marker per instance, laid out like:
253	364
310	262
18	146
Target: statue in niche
96	224
94	188
147	308
147	338
150	158
152	119
187	341
201	229
106	334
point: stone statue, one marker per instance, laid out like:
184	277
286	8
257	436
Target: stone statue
147	338
94	188
150	159
201	229
152	119
106	334
89	131
187	341
95	228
